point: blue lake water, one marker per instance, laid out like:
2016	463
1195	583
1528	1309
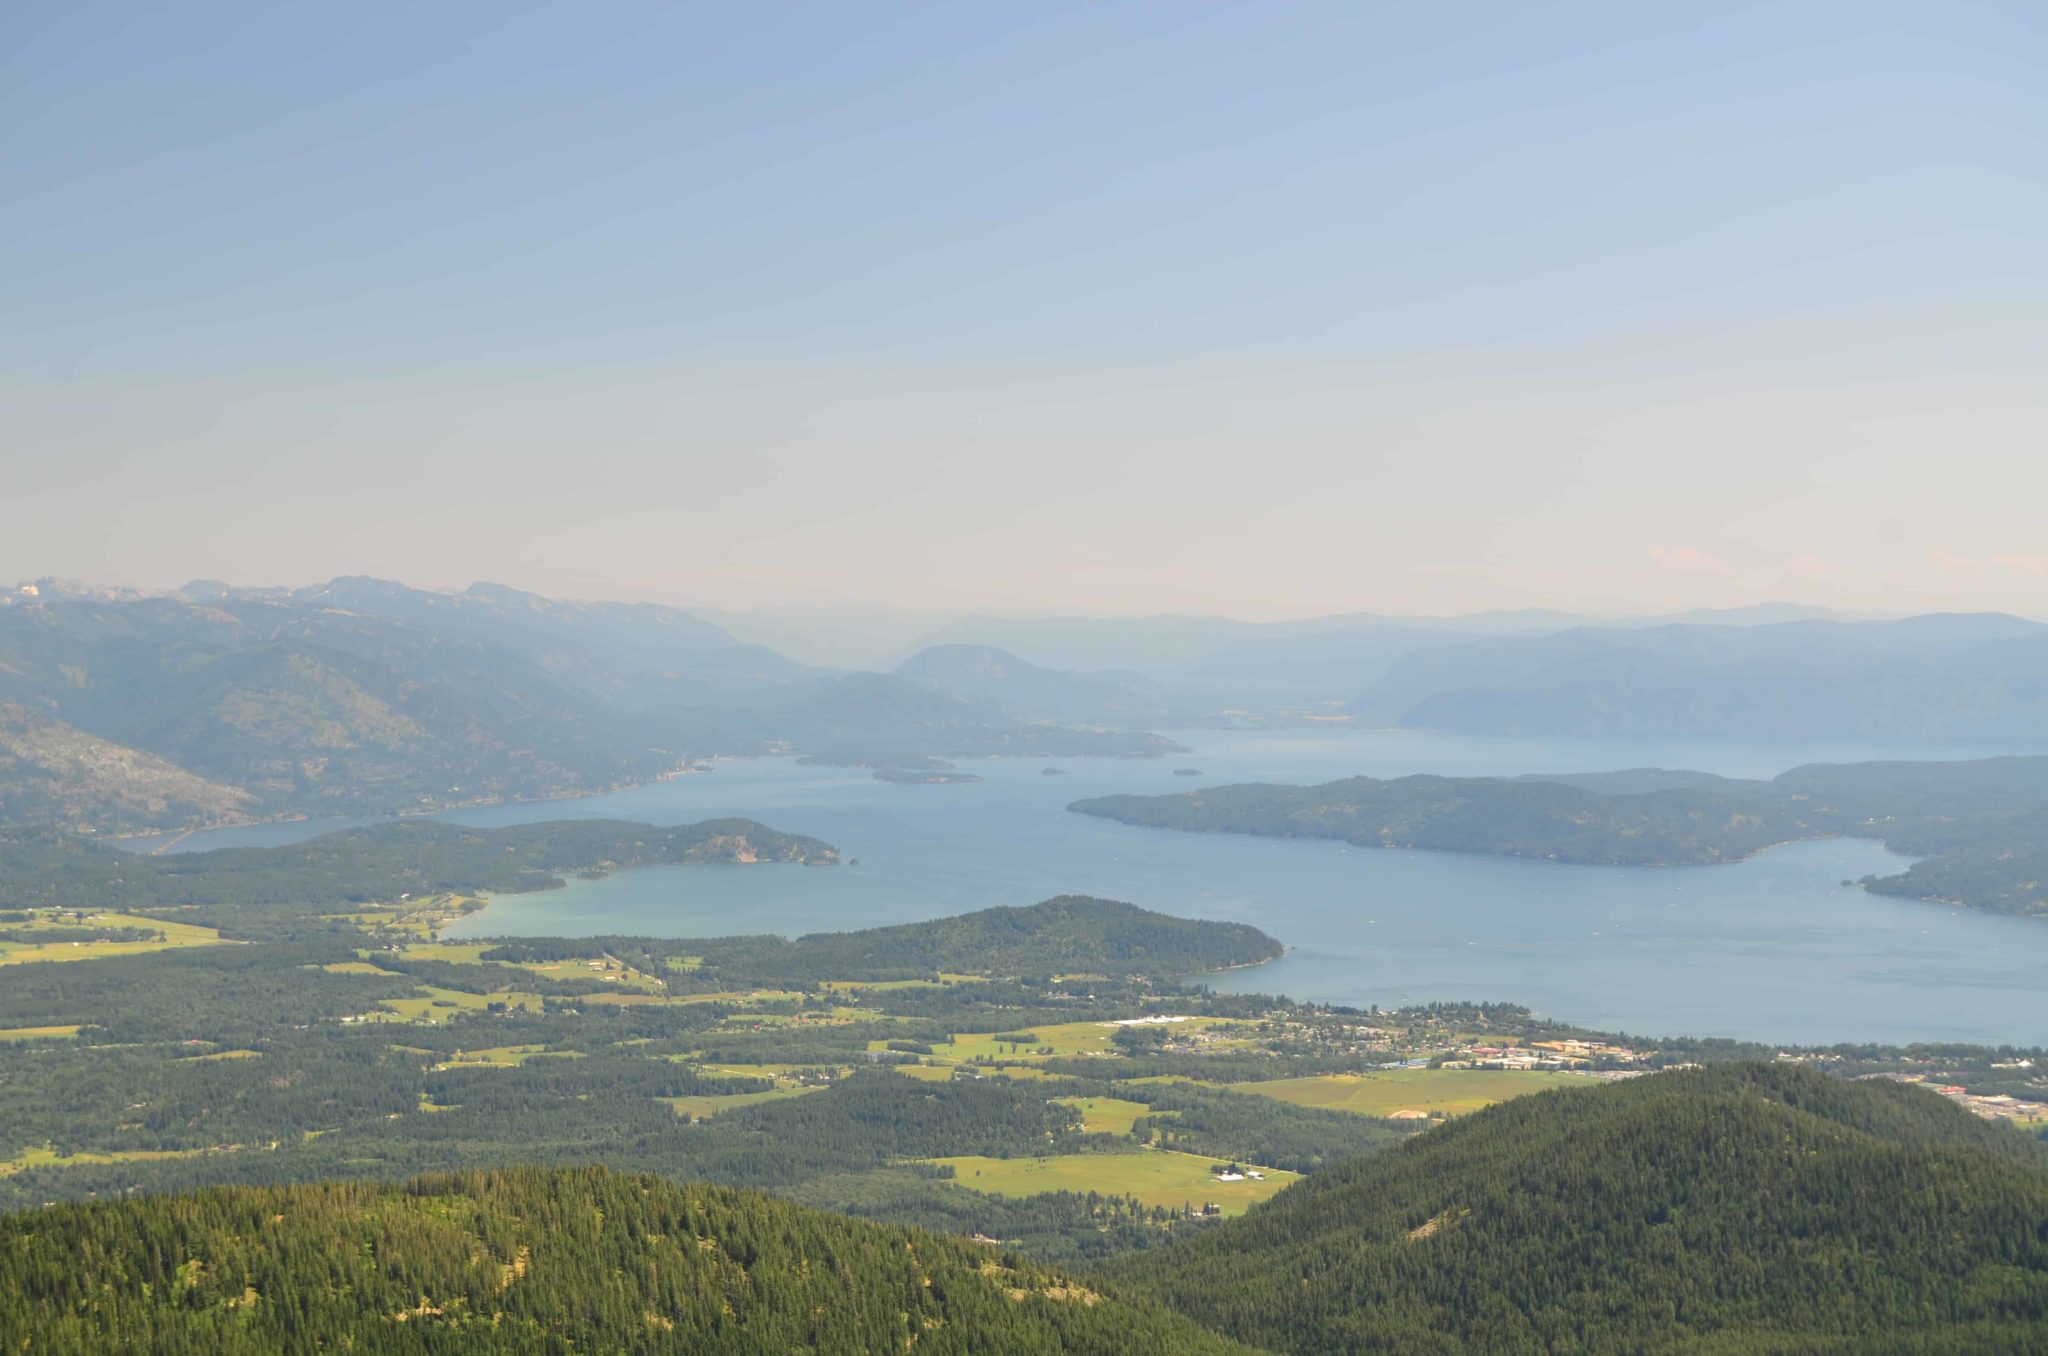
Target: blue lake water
1772	949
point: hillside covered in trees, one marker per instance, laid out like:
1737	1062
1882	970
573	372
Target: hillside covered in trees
1745	1208
535	1260
1071	933
383	862
1979	823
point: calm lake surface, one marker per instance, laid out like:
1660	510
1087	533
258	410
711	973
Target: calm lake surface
1773	949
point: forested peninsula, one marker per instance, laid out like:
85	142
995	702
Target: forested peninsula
1980	825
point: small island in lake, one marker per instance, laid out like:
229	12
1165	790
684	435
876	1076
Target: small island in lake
904	776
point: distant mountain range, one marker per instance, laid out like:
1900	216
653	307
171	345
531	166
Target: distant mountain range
1981	677
127	710
1026	691
122	710
1317	658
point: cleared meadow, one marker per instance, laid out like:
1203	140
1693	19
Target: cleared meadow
1417	1092
1156	1177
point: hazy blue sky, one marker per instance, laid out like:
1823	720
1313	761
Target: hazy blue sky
1267	308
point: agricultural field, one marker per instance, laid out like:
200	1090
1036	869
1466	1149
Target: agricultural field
49	1158
1078	1038
1410	1094
438	1005
779	1072
503	1057
926	1073
743	997
418	919
608	968
1106	1115
61	923
36	1033
693	1108
1156	1177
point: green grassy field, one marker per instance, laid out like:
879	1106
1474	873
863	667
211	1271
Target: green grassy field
36	1033
1068	1038
1077	1038
605	968
1450	1091
1106	1115
438	1005
741	997
711	1105
878	985
418	918
926	1073
175	935
504	1057
49	1158
1154	1176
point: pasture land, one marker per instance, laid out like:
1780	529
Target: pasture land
691	1108
36	1033
608	969
27	951
1156	1177
438	1005
503	1057
1410	1094
1106	1115
47	1157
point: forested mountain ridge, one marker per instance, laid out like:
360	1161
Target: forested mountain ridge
51	772
541	1261
1734	1209
1980	824
383	862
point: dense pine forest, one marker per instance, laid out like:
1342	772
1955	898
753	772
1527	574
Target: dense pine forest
1740	1209
536	1261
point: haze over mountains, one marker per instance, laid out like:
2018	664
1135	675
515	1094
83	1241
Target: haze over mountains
120	709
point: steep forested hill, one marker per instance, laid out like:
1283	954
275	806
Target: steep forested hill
1738	1209
1069	934
533	1261
53	773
